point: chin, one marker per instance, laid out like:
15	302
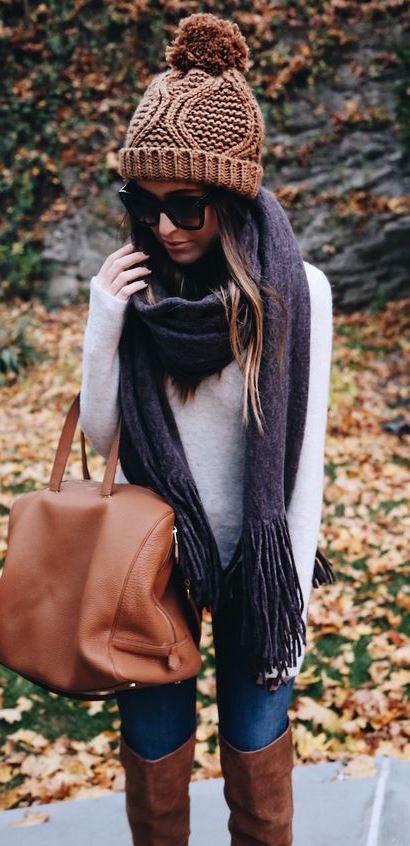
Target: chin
190	255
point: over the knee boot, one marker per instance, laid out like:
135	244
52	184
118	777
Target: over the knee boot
157	795
258	791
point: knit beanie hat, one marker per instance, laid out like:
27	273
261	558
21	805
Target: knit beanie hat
199	121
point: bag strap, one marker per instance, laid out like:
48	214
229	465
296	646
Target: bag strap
86	472
64	449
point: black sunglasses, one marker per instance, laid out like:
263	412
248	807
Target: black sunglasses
185	212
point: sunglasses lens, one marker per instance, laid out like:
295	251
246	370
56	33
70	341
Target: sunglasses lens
184	210
141	208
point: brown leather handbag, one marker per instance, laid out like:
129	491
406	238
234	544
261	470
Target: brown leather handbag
91	597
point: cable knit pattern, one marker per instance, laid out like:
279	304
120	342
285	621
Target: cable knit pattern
199	121
210	425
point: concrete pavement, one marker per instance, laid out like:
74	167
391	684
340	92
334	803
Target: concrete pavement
330	810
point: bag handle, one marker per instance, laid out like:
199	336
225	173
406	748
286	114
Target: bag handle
86	472
64	448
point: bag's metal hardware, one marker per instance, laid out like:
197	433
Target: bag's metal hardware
175	648
174	532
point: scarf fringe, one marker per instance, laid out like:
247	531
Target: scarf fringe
273	628
199	554
323	573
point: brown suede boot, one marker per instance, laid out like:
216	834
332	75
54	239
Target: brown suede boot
157	795
258	791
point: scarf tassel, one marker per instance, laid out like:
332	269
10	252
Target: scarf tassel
323	573
273	627
198	551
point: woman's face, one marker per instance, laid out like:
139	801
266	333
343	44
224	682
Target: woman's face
196	242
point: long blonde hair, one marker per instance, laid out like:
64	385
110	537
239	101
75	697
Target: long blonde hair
234	283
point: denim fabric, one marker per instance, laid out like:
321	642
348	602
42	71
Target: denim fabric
158	719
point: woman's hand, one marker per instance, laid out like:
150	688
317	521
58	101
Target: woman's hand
115	276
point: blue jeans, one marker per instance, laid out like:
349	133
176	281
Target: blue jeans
156	720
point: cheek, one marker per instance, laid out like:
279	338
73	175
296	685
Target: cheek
210	227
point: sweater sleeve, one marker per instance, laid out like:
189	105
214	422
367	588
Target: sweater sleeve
99	405
305	507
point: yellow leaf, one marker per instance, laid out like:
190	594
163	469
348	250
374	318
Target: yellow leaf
94	707
379	670
10	715
308	677
327	680
31	738
401	656
209	714
354	726
309	709
205	731
41	765
207	686
91	792
13	715
363	766
6	773
397	680
31	818
210	762
201	750
310	747
101	743
10	798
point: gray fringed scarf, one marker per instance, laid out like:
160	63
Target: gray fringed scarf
192	337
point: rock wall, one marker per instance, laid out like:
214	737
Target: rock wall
337	161
340	166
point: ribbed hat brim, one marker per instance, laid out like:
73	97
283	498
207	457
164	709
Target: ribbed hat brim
175	163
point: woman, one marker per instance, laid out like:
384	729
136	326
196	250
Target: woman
213	337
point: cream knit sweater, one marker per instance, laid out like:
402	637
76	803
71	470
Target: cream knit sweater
210	425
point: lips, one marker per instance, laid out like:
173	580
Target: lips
175	243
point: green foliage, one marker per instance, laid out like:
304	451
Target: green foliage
52	716
402	93
16	349
74	72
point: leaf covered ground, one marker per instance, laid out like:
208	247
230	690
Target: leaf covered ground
351	698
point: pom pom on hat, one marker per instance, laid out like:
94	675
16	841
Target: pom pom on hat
199	121
205	41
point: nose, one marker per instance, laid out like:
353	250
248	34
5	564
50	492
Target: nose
165	225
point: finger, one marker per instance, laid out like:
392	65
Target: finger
124	250
123	262
130	289
129	276
126	246
112	270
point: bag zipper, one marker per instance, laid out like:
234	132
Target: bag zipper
187	581
176	545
